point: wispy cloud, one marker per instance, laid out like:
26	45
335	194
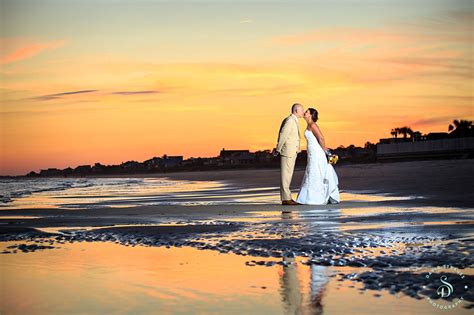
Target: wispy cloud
339	34
362	36
247	21
437	46
442	97
135	92
25	51
261	90
60	95
433	121
443	27
54	96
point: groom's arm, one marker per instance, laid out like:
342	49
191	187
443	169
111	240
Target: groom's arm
283	135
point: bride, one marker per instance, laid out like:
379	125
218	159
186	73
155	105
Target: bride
320	182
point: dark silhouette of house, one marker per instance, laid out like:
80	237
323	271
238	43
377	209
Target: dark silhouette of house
83	170
427	149
171	161
437	136
50	172
130	165
236	157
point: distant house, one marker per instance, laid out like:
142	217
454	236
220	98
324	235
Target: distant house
83	169
355	154
264	157
437	135
68	171
98	168
427	149
341	152
153	163
236	157
394	140
361	152
50	172
130	165
211	161
190	161
171	161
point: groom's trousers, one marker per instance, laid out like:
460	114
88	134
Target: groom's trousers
287	164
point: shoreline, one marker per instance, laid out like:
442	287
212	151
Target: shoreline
441	182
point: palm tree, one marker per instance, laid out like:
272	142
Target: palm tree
405	131
394	132
461	128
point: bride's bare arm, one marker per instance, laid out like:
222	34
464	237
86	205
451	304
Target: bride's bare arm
319	135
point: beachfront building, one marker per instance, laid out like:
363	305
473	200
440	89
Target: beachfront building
82	170
152	164
163	162
130	165
213	161
171	161
98	168
264	157
426	149
50	172
457	143
236	157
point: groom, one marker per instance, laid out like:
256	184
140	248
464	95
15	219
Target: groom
288	147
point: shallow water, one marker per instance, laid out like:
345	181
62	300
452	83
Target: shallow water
79	193
82	193
256	262
99	278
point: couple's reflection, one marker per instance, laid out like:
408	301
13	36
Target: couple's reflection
293	278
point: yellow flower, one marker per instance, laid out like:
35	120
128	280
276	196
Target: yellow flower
333	158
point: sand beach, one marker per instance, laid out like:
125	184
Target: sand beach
180	242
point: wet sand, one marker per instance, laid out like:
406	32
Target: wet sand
442	181
377	244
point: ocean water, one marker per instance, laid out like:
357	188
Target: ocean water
85	192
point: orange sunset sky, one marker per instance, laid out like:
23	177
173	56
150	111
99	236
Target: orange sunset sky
111	81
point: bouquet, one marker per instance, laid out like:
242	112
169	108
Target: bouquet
332	158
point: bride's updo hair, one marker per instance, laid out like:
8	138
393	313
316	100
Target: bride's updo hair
314	114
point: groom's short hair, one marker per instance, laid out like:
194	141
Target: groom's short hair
295	106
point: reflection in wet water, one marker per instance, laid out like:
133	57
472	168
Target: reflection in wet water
110	278
374	196
294	299
354	227
368	211
293	295
10	217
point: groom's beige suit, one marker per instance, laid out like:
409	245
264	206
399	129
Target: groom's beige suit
288	146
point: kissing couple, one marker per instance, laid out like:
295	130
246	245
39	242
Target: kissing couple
320	182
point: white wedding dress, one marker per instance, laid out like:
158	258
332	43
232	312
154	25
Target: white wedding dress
320	182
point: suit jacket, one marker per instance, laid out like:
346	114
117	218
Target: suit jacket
289	137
